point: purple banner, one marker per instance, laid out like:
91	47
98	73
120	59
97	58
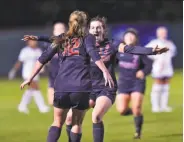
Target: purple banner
146	32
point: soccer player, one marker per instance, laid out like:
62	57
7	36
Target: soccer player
53	67
162	71
28	56
72	84
133	70
102	97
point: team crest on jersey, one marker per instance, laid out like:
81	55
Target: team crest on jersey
72	48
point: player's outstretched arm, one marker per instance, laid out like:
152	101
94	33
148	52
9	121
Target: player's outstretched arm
43	59
38	38
141	50
43	38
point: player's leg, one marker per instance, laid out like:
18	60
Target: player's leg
165	96
80	104
38	97
156	94
137	100
69	116
76	130
62	104
25	100
55	129
103	102
122	104
69	123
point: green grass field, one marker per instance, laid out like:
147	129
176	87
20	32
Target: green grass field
18	127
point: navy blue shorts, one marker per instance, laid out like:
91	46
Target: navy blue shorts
130	86
67	100
97	93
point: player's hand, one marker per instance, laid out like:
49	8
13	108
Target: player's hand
26	82
29	37
158	50
11	74
108	79
121	47
140	74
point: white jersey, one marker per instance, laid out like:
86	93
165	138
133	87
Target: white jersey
28	56
162	64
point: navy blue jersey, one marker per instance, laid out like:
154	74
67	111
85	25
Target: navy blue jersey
74	70
53	66
107	52
129	64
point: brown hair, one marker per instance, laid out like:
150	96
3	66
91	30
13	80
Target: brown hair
77	28
77	24
134	32
103	20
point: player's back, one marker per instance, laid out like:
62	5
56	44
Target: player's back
74	68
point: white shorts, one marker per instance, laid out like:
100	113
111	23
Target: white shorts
166	74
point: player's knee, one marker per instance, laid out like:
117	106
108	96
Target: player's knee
96	118
137	110
76	129
122	110
91	103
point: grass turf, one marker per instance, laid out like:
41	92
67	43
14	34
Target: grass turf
18	127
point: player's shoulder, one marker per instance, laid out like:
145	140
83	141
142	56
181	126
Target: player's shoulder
25	49
154	40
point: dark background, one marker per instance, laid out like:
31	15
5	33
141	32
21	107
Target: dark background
20	17
41	12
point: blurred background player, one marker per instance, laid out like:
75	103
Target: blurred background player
53	66
28	57
162	71
132	81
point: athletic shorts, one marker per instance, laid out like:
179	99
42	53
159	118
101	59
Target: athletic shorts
75	100
128	87
104	92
